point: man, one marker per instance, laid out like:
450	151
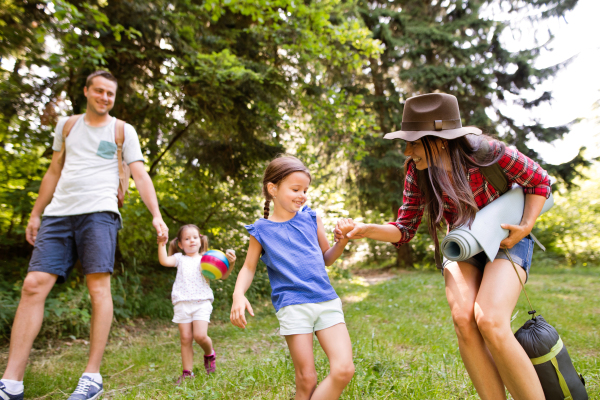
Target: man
80	221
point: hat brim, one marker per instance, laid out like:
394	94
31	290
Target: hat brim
445	134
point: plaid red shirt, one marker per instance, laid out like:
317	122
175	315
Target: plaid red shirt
518	168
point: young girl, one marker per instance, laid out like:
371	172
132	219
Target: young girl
293	244
192	297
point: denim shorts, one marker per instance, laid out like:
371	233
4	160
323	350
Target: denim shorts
521	253
91	238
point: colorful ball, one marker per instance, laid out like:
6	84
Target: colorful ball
214	264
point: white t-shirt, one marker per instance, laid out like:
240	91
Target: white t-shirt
190	284
89	180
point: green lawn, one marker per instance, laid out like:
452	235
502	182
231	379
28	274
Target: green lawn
404	346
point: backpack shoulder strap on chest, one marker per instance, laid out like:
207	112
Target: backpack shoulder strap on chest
494	173
124	171
119	139
65	132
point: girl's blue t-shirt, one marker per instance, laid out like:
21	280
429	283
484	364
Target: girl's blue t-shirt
294	259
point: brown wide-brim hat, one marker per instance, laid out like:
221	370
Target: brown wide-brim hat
434	114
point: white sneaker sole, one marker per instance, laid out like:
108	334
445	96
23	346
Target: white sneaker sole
97	396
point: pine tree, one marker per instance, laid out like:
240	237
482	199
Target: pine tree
447	46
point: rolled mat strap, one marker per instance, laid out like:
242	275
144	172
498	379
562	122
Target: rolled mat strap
561	381
547	357
551	356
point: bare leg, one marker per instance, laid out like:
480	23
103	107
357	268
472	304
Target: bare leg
301	350
496	300
28	321
187	351
336	343
102	316
200	329
463	282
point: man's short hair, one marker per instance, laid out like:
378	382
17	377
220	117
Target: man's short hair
104	74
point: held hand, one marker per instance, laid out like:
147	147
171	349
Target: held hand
161	227
358	232
32	229
517	232
345	225
230	254
161	240
238	311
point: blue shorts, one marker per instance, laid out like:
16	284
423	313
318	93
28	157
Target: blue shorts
521	253
91	238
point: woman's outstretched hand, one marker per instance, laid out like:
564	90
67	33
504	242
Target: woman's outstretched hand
238	311
358	231
517	232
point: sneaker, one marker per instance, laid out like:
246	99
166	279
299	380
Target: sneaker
7	396
87	389
186	375
210	363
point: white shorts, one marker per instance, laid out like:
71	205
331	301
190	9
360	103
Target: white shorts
310	317
188	311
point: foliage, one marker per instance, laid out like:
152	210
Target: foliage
570	228
455	47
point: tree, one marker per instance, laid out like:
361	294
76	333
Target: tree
447	46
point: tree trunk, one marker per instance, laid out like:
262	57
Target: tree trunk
404	253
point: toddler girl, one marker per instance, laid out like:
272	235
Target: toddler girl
192	296
293	244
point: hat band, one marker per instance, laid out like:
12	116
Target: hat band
437	125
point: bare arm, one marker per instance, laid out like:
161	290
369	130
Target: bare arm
382	233
330	254
244	279
163	258
231	258
45	194
144	184
533	207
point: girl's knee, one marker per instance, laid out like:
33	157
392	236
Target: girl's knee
186	339
200	339
306	379
343	373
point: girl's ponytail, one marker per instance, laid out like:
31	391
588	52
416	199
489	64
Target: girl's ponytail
203	243
267	202
173	247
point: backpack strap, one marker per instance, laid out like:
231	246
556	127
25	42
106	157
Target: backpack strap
65	132
494	173
119	139
124	171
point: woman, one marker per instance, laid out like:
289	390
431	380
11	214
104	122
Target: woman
443	178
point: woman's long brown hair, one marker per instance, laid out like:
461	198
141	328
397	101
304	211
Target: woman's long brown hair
464	152
277	171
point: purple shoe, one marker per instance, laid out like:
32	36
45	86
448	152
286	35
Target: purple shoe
210	363
186	375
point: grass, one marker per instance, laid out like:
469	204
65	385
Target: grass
400	325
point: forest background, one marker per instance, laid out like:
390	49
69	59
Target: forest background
215	89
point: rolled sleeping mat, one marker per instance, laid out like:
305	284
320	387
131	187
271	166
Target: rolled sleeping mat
551	361
485	233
